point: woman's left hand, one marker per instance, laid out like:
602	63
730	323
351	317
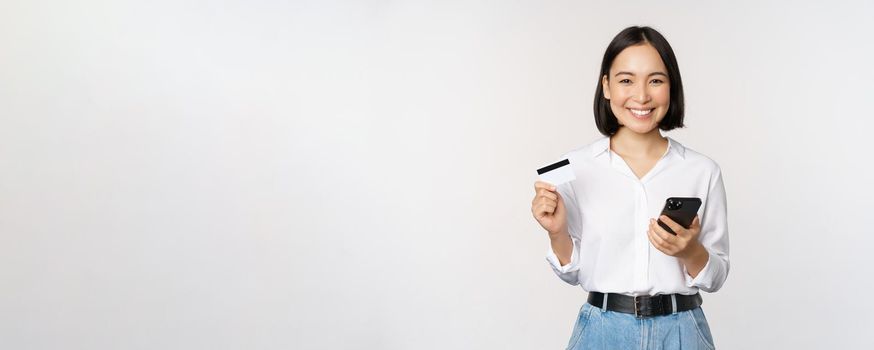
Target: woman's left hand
684	245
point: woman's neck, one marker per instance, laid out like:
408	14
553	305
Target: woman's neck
629	143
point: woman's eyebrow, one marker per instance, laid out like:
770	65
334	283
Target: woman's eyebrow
650	74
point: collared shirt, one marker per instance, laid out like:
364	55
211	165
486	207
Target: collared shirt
609	209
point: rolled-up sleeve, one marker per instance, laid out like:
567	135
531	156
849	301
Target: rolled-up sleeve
569	272
714	238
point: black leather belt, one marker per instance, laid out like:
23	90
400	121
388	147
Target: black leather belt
645	305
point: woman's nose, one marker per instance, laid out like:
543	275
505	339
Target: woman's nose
641	95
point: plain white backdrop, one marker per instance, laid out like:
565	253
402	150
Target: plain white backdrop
358	175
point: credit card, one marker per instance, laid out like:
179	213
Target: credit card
557	173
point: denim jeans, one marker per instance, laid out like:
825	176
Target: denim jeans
598	329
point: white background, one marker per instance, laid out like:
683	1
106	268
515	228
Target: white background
323	175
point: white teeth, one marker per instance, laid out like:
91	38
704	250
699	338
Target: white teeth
640	112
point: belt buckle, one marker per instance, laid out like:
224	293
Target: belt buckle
642	313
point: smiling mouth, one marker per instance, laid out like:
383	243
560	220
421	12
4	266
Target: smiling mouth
641	113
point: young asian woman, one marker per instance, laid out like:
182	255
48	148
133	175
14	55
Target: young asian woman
643	281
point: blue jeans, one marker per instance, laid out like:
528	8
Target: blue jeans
598	329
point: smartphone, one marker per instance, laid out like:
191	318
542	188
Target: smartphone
680	209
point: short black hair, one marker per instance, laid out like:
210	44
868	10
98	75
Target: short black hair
604	118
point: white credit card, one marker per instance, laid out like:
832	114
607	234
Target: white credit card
557	173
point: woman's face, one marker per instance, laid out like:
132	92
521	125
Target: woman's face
638	88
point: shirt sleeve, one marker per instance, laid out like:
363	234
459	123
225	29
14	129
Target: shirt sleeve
569	272
714	238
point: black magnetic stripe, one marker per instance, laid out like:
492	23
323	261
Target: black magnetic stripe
552	167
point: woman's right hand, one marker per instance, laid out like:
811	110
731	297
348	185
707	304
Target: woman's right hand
548	208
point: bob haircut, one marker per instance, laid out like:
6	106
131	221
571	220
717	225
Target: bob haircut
604	118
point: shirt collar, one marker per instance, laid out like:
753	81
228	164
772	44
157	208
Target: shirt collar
602	146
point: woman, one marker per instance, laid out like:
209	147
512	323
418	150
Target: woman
643	281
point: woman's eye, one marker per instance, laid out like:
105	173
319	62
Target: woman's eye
657	81
625	81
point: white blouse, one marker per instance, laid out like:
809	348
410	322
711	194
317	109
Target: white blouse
608	217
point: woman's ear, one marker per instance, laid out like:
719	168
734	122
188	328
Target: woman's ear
605	86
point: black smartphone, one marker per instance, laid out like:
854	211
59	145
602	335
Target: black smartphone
680	209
